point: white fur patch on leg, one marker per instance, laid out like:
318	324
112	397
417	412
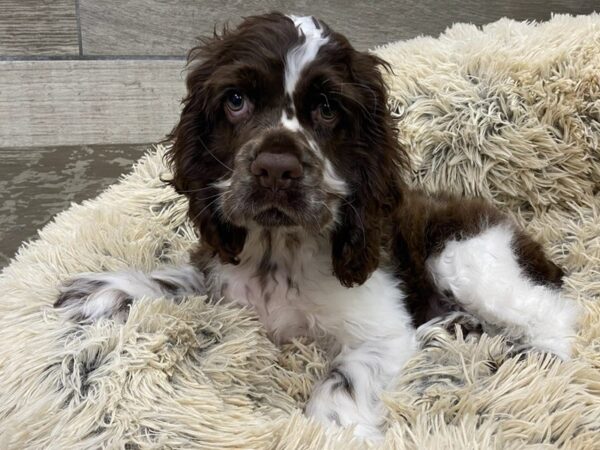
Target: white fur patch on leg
484	276
90	297
376	336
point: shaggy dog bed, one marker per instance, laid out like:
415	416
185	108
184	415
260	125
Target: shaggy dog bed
510	112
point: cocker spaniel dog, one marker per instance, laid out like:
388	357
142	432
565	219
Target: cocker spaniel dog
288	155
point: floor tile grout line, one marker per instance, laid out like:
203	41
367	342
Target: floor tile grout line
78	19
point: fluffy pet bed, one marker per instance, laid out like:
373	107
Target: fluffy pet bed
510	112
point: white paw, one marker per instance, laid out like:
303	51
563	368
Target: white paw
556	329
561	347
334	404
91	297
558	336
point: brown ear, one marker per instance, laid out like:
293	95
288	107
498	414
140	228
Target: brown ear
355	246
376	188
195	167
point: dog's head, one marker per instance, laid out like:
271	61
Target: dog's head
285	124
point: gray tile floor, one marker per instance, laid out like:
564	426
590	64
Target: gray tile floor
85	83
37	183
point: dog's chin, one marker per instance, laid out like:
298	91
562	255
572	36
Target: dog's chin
243	212
274	217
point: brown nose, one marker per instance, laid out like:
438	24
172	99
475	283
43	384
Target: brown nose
276	170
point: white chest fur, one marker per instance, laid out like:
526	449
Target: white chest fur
286	276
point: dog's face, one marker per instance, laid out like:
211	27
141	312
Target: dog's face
286	125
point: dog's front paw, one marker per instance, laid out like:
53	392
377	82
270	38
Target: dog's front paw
90	297
335	403
93	296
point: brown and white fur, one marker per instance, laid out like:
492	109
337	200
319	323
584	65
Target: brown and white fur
289	157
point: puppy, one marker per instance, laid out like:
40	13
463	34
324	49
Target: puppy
288	155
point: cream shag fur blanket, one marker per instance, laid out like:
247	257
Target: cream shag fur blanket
510	112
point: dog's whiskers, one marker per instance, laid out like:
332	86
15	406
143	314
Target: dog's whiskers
213	155
218	197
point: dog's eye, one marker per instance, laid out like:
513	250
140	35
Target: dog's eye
235	101
325	110
237	106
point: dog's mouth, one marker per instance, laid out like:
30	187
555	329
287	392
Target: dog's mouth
301	206
274	217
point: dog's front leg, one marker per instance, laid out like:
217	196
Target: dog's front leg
376	336
91	296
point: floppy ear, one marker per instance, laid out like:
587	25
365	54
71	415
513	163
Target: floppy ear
195	167
376	186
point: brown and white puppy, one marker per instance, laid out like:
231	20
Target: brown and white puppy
289	157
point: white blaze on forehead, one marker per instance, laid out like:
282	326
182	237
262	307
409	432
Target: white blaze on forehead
297	59
300	56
